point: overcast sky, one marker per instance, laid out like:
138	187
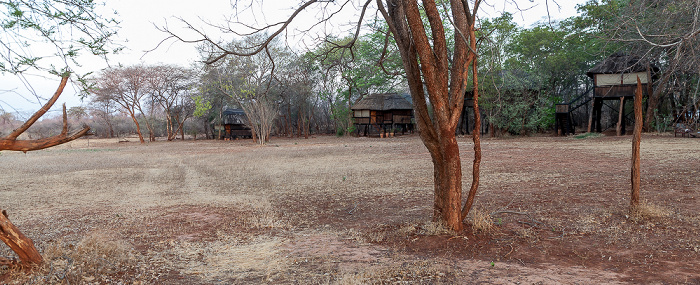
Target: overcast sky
138	34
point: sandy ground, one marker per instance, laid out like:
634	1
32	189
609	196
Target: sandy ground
333	210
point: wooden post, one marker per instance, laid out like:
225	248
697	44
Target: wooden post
20	244
637	137
590	116
620	117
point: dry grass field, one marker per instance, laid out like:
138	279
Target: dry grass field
350	210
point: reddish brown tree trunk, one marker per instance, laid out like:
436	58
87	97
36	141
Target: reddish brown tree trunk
447	167
428	68
138	128
636	179
20	244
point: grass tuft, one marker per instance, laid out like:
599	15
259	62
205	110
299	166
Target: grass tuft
481	221
646	211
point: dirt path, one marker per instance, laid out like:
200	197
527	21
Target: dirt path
353	211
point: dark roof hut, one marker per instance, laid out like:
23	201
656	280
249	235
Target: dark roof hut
383	113
615	78
235	124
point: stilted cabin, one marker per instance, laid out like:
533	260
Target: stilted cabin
614	84
467	119
383	113
235	124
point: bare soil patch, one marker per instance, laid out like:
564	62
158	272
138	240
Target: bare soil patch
329	210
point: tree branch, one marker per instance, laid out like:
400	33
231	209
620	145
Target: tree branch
10	141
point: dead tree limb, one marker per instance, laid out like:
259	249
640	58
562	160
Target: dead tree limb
20	244
10	142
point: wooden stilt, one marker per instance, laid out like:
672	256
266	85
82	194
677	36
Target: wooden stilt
620	117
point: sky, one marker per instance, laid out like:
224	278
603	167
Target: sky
144	43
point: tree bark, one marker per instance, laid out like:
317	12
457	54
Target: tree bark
18	242
636	178
138	127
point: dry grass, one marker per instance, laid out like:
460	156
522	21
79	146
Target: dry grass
231	212
227	258
481	221
646	211
414	272
92	260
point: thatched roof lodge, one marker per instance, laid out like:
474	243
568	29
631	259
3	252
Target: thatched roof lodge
383	113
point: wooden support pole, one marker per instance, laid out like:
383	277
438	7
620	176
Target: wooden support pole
637	137
620	117
590	117
20	244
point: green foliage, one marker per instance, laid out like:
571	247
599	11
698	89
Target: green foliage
524	72
202	106
71	26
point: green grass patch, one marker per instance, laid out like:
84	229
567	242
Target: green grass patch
588	136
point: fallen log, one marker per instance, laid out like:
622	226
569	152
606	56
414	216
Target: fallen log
19	243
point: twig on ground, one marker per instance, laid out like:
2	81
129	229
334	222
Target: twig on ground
511	251
518	213
353	209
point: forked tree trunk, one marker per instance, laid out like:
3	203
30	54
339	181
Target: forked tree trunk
20	244
428	67
636	178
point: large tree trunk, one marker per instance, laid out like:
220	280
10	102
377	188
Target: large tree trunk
428	68
448	184
18	242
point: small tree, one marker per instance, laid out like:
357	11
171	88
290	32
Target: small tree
126	86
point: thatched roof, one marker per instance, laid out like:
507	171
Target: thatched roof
383	102
620	63
234	117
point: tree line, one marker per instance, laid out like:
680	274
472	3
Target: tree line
285	92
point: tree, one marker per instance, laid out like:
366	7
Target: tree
348	74
169	87
126	86
103	107
248	80
437	72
